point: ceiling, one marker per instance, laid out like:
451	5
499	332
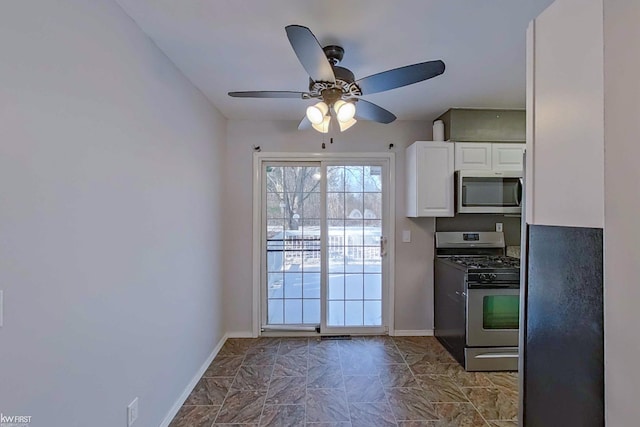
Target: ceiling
237	45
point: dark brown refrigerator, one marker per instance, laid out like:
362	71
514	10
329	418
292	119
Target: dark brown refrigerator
561	327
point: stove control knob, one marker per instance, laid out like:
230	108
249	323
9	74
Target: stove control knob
487	277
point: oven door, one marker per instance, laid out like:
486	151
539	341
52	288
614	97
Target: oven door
492	317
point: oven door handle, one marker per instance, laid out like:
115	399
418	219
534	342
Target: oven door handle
482	285
496	356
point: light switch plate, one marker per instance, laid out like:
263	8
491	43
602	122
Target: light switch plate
406	236
498	226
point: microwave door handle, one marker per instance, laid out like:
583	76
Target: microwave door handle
518	192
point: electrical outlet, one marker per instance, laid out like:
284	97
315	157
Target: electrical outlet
498	226
132	412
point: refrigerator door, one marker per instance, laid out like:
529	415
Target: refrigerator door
563	362
524	232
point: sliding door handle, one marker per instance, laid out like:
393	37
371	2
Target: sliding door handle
383	246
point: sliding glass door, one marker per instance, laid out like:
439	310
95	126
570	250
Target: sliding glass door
354	246
293	244
324	242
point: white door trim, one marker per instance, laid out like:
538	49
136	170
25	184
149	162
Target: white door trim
258	159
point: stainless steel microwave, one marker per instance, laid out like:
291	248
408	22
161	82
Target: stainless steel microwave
489	192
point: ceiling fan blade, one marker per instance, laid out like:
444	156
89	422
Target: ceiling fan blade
310	53
399	77
366	110
304	124
270	94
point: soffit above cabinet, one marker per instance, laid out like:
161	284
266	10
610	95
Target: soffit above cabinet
483	125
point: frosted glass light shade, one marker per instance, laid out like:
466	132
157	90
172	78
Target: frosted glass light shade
344	110
346	125
322	127
316	113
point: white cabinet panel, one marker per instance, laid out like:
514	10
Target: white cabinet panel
566	92
528	167
488	156
507	157
473	156
430	179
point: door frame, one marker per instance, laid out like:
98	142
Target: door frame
258	159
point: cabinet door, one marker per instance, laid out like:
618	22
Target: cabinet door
565	175
430	179
507	157
473	156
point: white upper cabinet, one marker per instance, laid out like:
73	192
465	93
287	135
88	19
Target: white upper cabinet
565	113
488	156
429	168
507	157
473	156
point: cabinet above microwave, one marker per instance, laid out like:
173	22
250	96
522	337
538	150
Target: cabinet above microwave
488	156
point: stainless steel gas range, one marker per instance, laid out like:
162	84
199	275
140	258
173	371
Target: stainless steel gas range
477	294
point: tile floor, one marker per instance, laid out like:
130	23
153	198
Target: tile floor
366	381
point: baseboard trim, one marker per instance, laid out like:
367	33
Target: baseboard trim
240	335
192	384
413	333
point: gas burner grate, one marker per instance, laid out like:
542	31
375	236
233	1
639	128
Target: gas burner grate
476	262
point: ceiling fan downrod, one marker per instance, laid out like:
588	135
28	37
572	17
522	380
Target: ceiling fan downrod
334	54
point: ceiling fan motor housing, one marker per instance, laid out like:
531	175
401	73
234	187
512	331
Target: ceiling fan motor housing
344	85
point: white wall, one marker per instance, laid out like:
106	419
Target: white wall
622	210
110	180
414	261
565	174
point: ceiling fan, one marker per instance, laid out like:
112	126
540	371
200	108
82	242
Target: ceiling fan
336	87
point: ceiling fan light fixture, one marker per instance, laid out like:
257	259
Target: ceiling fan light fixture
346	125
345	111
336	87
317	113
323	126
